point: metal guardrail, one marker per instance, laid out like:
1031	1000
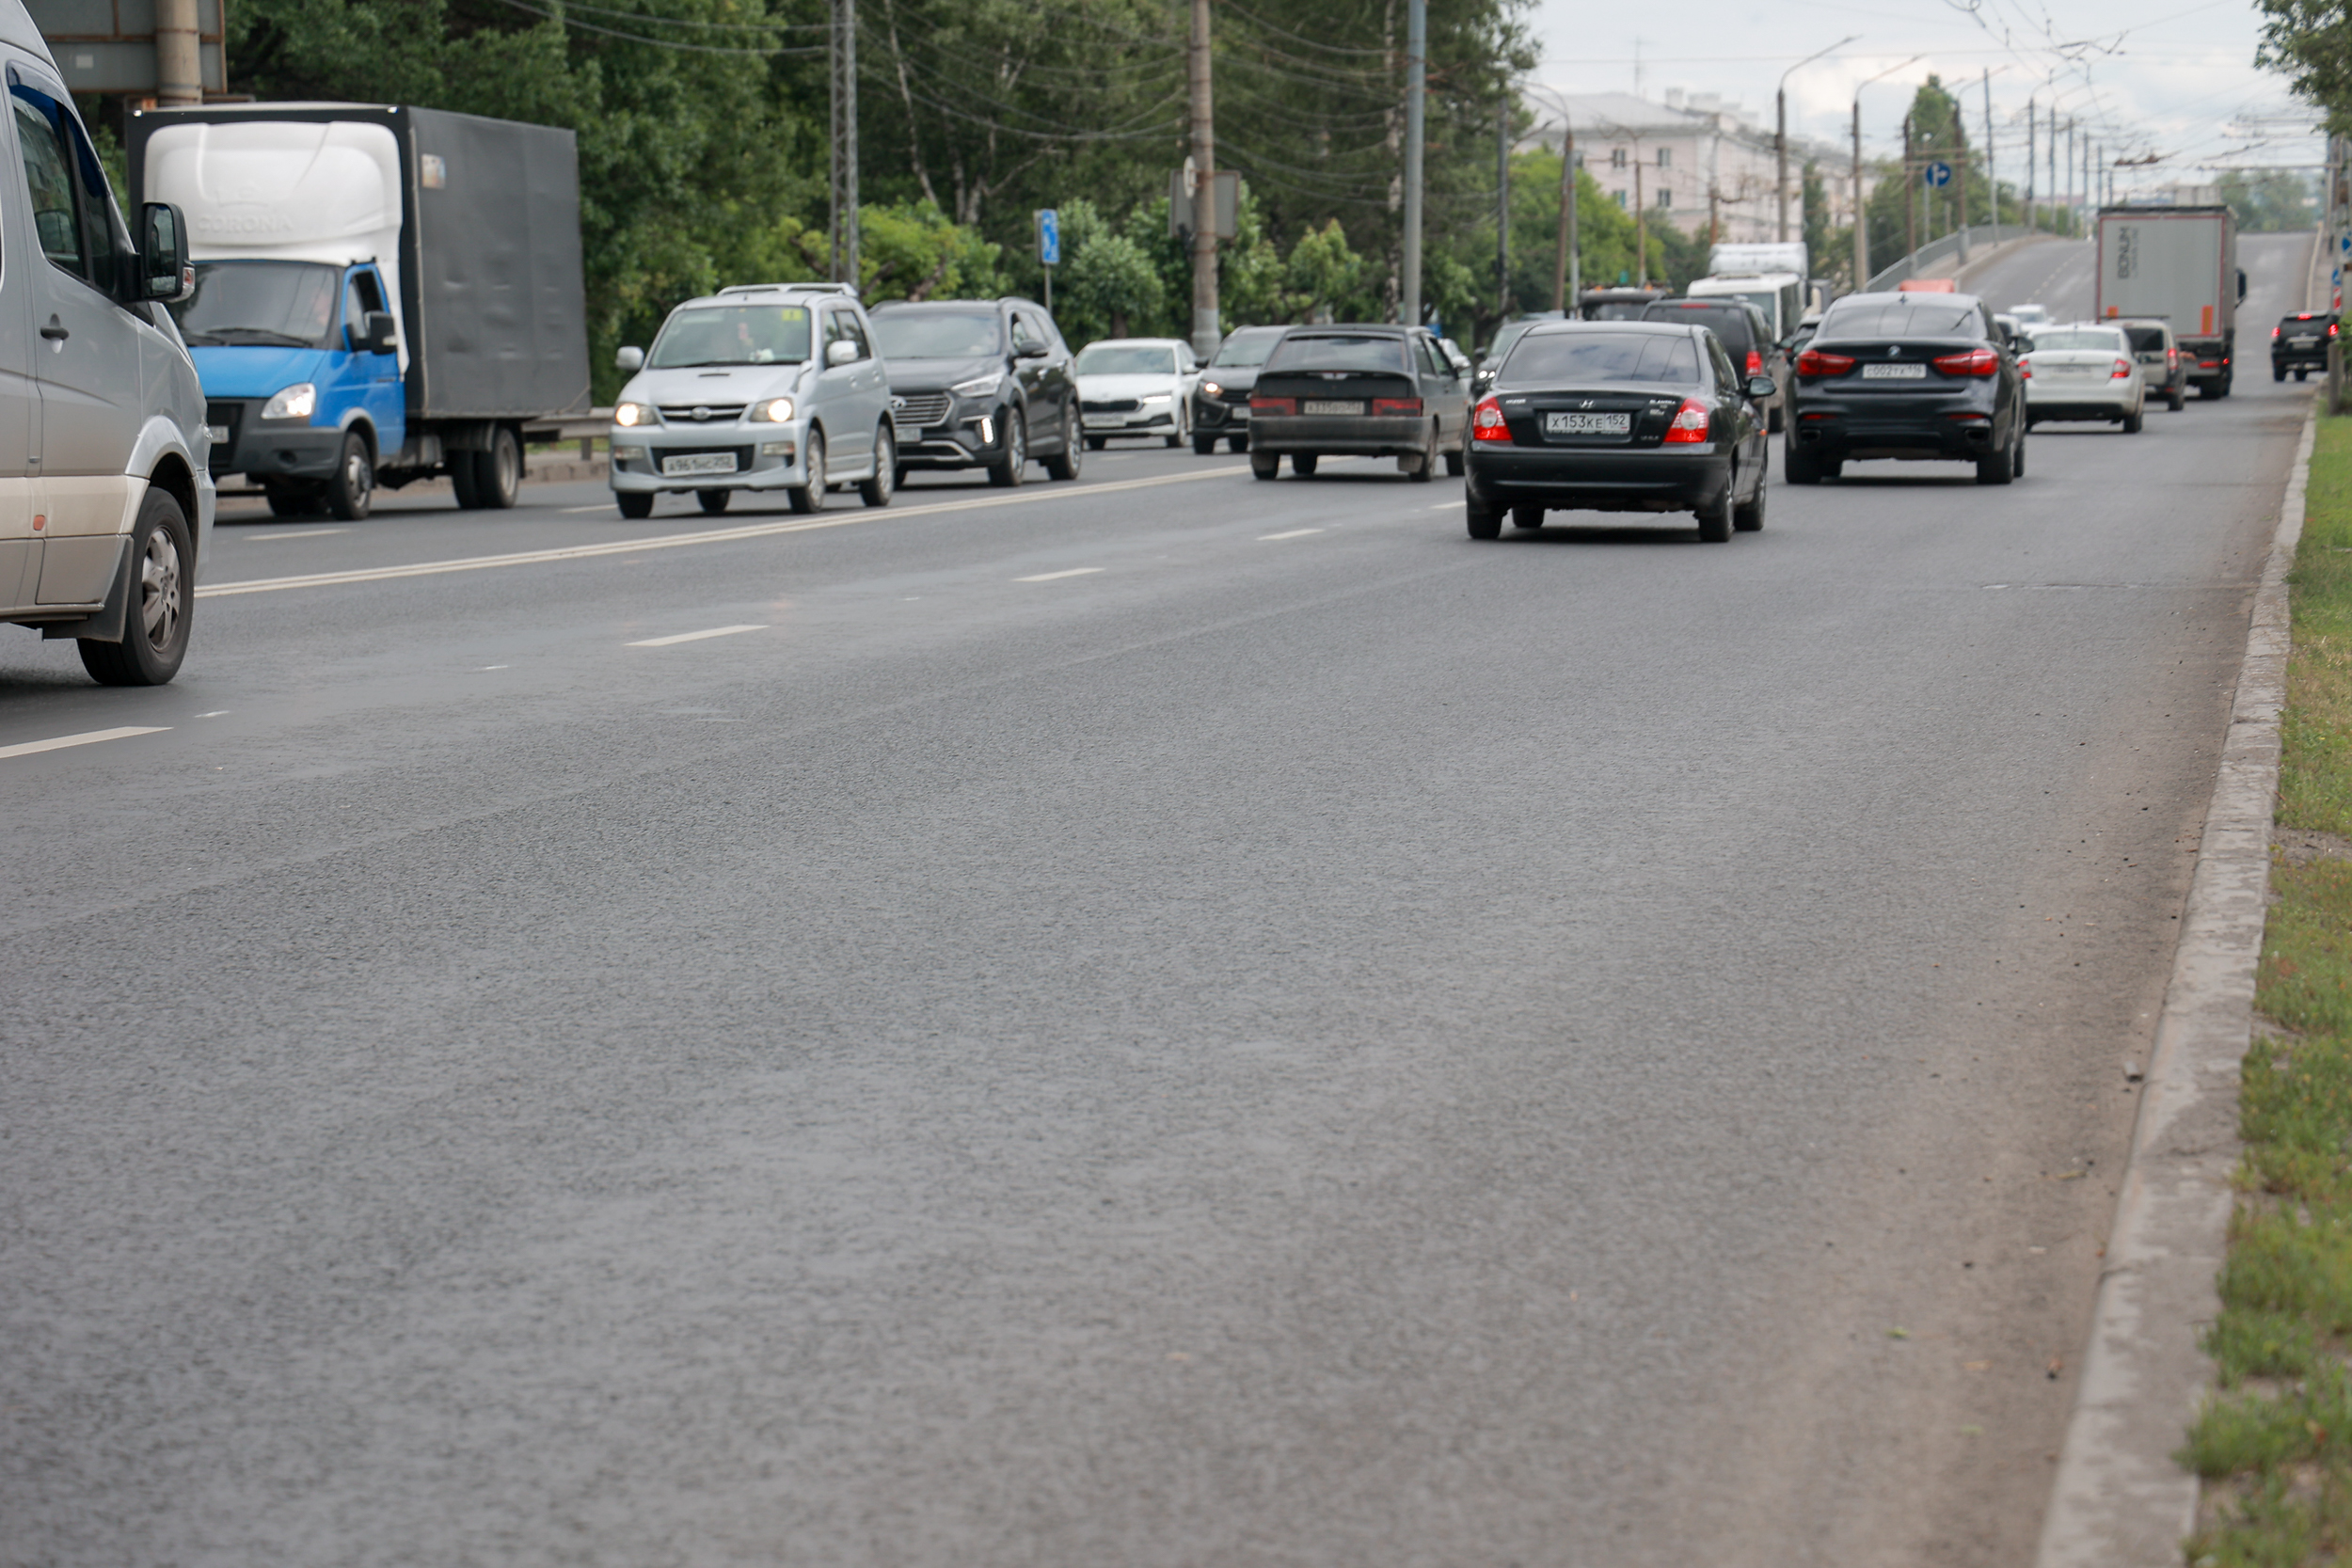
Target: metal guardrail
583	428
1952	248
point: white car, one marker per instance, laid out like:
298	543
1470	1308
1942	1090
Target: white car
2031	316
2085	371
1136	386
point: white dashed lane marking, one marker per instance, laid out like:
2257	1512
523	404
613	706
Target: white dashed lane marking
89	737
1294	533
1056	576
691	636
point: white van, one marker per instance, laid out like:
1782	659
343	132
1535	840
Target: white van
106	502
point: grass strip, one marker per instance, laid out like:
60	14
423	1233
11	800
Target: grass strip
2275	1446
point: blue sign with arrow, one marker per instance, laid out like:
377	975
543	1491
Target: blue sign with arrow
1938	174
1049	237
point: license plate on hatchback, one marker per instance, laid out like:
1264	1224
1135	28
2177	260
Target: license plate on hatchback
1894	372
2302	342
699	462
1327	405
1588	424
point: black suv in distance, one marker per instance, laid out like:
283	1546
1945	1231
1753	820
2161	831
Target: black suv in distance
1362	391
1911	377
2299	343
1220	399
979	384
1746	335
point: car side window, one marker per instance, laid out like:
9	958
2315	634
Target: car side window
48	176
1024	337
1721	357
853	330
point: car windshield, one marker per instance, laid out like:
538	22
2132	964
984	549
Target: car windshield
939	334
1321	352
2145	340
2092	340
282	304
1567	359
1124	359
732	335
1243	349
1905	316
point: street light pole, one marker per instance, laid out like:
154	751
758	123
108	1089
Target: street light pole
1416	75
1862	218
1780	134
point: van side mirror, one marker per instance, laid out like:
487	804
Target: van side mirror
164	272
630	359
840	352
377	334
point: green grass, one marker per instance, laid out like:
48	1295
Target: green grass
2276	1444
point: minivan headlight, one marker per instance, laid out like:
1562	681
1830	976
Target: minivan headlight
771	411
297	402
627	414
979	385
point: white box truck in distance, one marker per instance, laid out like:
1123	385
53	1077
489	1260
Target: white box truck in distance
2177	265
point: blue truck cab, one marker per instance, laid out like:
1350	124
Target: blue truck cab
300	364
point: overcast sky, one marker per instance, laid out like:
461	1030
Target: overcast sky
2176	80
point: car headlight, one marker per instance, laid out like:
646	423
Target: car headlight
979	385
1212	389
1149	398
297	402
771	411
626	414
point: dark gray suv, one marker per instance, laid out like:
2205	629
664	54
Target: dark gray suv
980	384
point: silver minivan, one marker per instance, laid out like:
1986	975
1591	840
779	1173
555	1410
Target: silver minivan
106	502
761	387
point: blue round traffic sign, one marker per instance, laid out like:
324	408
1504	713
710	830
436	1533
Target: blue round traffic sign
1938	174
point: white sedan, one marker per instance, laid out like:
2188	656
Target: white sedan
2085	371
1136	386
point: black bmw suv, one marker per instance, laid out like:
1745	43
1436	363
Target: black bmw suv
979	384
1907	375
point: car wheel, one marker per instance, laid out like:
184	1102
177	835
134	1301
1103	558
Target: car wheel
877	490
353	488
2132	421
1749	519
2302	373
1772	422
1096	443
1014	467
898	477
1303	464
634	503
713	501
1482	522
1833	470
1204	445
2278	373
1998	467
1065	464
1237	444
1715	519
155	619
462	470
1456	464
1800	468
2175	399
287	501
810	497
1184	431
1527	517
498	473
2018	456
2210	390
1265	464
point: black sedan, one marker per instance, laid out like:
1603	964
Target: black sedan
1362	392
1907	376
1619	417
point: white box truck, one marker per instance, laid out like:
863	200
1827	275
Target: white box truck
2176	264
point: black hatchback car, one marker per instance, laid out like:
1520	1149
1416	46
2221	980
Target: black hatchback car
1619	417
1220	399
979	384
1366	391
2299	343
1746	333
1907	376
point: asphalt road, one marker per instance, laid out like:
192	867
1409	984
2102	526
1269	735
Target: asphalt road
1312	1041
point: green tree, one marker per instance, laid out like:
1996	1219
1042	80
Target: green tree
2274	202
1815	205
1108	280
2309	41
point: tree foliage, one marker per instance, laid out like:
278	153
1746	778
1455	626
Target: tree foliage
2311	42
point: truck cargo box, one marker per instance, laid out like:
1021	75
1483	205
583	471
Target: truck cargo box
477	219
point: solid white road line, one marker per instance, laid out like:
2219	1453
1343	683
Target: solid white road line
25	749
693	636
712	536
1294	533
297	533
1445	506
1056	576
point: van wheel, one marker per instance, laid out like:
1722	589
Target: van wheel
713	501
810	497
352	490
877	490
155	621
498	473
634	503
2175	399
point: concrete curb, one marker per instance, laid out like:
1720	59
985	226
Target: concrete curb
2120	1499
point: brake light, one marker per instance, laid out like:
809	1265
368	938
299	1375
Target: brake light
2275	331
1487	423
1976	361
2122	368
1273	406
1690	424
2208	364
2331	329
1813	363
1755	363
2024	370
2173	356
1395	405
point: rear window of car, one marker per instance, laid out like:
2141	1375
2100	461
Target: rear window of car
1731	323
2145	340
2093	340
1297	352
2306	323
1913	316
1667	359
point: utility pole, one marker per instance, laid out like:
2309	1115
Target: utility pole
1206	333
1861	219
1910	197
2030	140
2070	203
1641	225
1502	204
1780	131
844	235
1565	272
1992	169
179	60
1416	77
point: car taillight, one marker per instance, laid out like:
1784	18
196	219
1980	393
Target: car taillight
1755	363
1976	361
1274	405
1395	405
1487	423
1813	362
2024	370
2122	368
2275	331
1690	424
2331	329
2172	356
